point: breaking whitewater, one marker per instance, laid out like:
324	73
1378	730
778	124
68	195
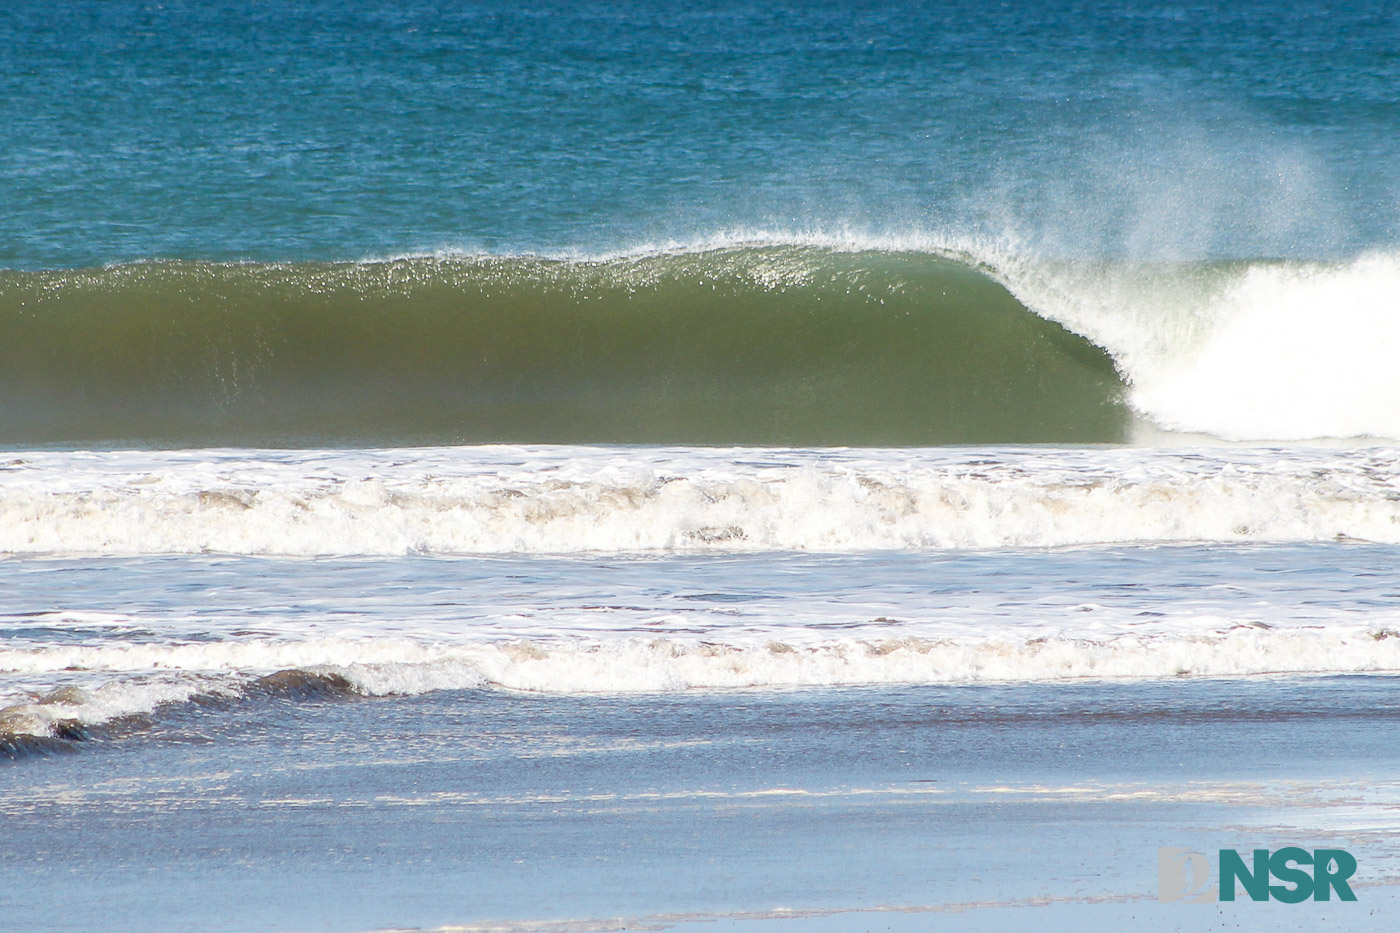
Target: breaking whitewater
742	463
756	340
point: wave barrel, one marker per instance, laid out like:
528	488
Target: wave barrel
759	345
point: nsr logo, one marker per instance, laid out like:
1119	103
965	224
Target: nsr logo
1182	875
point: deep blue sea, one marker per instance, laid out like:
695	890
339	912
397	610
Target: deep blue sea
820	467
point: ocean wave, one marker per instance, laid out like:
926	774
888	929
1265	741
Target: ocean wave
746	336
132	684
1247	351
769	344
498	500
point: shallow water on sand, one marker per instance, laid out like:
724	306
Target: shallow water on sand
476	807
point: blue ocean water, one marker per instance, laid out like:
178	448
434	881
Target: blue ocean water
1029	496
868	809
281	131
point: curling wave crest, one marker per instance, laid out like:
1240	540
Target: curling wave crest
752	337
1237	350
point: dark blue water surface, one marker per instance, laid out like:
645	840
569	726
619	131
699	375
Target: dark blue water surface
303	129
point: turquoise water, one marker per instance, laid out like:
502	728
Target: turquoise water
309	130
1029	498
819	224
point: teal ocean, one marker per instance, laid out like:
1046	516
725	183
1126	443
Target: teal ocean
751	466
311	131
834	223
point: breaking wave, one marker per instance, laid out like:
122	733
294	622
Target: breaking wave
134	683
770	345
485	500
754	339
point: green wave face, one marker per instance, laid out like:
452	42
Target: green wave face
773	345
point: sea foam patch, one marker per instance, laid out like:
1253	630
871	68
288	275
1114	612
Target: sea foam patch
101	684
498	500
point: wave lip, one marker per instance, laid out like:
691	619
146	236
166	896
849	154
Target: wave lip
752	337
755	344
1245	351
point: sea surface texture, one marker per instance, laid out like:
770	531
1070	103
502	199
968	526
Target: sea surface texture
805	467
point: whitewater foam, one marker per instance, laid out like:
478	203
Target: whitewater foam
1241	350
563	500
1247	350
123	683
